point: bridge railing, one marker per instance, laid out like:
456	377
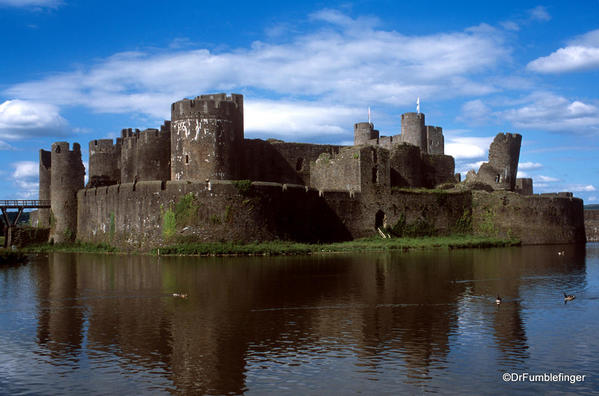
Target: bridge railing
24	203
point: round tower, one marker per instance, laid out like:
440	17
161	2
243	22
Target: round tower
363	132
207	137
43	215
413	130
66	179
104	162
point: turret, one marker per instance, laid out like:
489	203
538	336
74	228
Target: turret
413	130
363	132
129	155
43	215
66	179
206	137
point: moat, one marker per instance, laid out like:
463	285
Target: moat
381	323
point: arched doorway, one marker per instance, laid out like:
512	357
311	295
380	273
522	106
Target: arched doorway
379	219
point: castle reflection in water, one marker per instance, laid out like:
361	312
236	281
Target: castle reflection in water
247	315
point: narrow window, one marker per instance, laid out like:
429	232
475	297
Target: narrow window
375	174
187	159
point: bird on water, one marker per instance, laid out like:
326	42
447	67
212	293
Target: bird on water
498	300
569	297
180	295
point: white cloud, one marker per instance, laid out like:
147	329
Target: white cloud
467	147
350	63
298	118
31	3
539	13
20	119
581	54
547	111
521	174
547	179
582	187
25	177
529	165
592	198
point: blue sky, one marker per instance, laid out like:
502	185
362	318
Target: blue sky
81	70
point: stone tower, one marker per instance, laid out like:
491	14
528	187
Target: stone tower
129	155
363	132
66	179
206	137
413	130
504	154
435	142
45	174
104	162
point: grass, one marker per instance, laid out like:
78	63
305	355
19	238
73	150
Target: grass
274	248
76	247
278	248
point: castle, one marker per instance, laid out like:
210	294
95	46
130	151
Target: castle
190	180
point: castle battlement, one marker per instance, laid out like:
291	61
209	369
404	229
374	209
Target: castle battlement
208	106
63	147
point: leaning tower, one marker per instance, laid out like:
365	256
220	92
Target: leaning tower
206	137
66	179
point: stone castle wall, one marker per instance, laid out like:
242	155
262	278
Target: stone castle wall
42	218
534	219
591	225
281	162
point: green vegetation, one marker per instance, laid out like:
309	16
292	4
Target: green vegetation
464	223
421	190
185	212
487	223
243	186
274	248
75	247
112	226
420	228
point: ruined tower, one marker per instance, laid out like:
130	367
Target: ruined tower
504	154
435	142
363	132
43	215
413	130
66	179
206	137
104	162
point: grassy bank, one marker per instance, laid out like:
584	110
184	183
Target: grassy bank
361	245
77	247
277	248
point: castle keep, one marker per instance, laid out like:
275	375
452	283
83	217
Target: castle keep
198	178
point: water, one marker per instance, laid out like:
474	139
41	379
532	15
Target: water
417	322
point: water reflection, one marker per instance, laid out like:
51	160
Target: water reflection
254	323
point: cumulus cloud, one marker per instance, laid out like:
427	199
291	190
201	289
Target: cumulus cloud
547	111
299	118
582	53
339	65
529	165
25	177
582	188
20	119
467	147
31	3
